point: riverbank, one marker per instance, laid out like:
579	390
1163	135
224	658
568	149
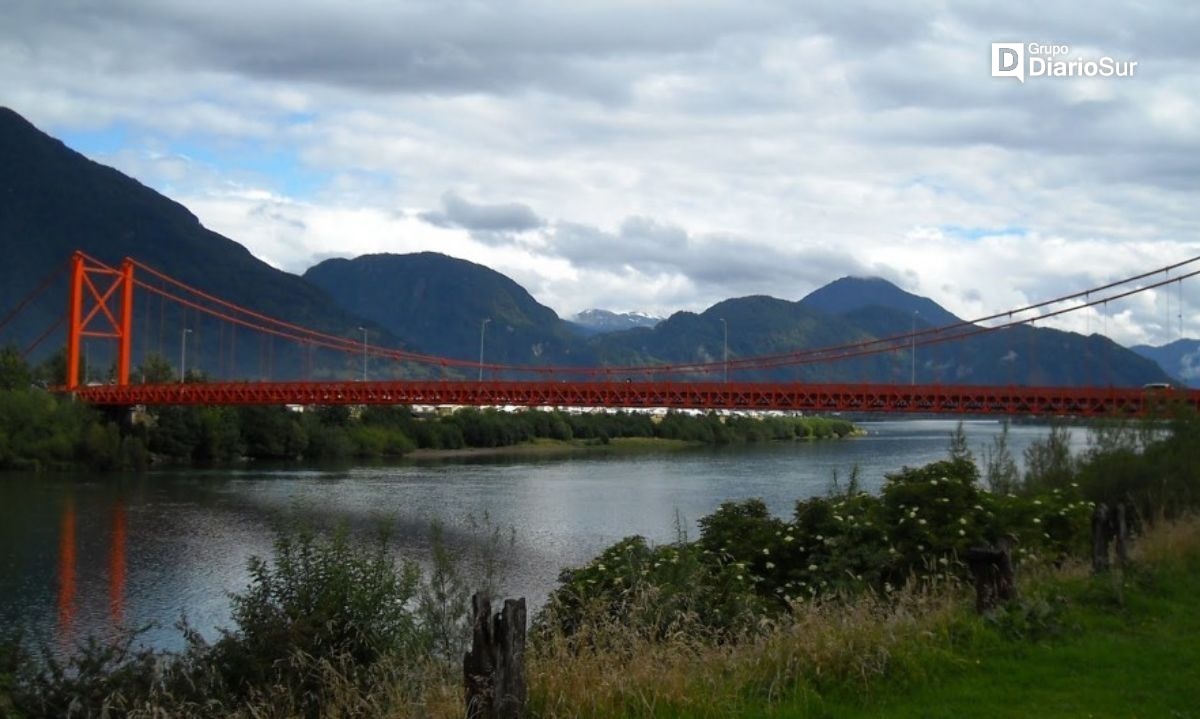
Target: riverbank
848	599
41	430
543	447
557	447
1072	645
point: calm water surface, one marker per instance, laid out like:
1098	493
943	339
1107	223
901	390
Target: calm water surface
88	554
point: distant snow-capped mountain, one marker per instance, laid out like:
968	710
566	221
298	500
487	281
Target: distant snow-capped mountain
597	321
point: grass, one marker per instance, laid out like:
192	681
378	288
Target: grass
1073	646
1128	649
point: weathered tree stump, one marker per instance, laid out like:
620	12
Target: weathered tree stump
1121	530
1100	538
494	669
992	568
1109	525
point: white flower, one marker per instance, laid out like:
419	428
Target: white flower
920	521
788	538
812	567
962	520
600	567
1037	521
962	533
770	565
766	550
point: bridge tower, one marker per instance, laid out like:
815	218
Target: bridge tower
92	312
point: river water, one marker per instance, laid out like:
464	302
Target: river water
84	555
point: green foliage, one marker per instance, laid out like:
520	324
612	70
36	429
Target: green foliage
14	371
1048	463
40	430
325	619
999	468
1157	470
50	430
100	679
318	596
933	514
915	530
272	432
155	369
656	591
958	444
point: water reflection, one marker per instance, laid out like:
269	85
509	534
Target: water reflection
70	598
116	564
91	554
66	572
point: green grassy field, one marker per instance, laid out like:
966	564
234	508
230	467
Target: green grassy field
1138	657
1073	645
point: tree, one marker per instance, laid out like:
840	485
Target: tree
958	445
155	369
53	371
14	371
1048	462
1000	469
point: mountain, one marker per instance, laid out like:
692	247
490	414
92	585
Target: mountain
854	310
441	302
1181	359
54	200
850	294
757	325
592	322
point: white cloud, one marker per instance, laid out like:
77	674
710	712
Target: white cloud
639	156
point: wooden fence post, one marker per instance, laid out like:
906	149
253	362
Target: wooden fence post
1100	537
995	579
494	669
1121	530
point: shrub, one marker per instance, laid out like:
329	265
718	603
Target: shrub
318	597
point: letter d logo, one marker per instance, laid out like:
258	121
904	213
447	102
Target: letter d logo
1008	60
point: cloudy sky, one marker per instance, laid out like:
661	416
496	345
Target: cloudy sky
651	155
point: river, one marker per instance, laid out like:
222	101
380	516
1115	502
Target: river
84	555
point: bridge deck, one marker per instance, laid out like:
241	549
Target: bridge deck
948	399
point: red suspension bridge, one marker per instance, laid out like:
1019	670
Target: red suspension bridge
102	300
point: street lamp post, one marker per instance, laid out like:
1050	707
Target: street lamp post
482	327
364	331
725	354
912	352
183	353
